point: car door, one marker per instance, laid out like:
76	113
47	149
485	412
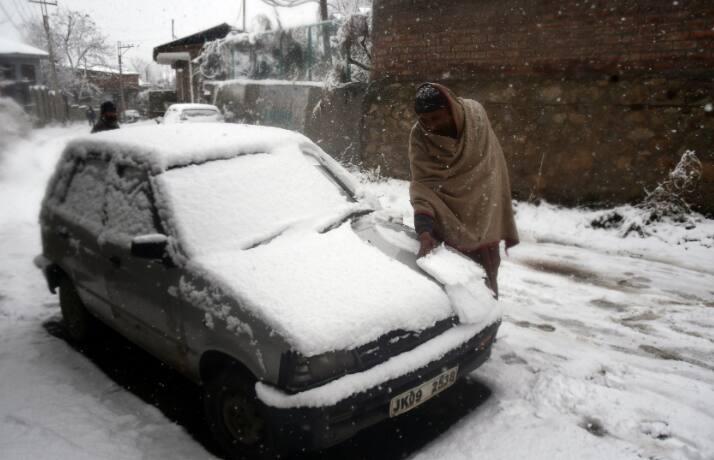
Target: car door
78	222
141	290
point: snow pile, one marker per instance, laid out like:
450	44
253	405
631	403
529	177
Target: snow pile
463	281
14	123
327	291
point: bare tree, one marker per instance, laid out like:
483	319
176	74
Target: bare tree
142	67
327	7
291	3
345	8
79	46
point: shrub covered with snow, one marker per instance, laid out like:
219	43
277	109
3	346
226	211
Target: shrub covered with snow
14	123
667	202
353	44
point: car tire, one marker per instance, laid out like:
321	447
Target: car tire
236	416
78	322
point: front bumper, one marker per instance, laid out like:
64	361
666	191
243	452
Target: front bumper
325	426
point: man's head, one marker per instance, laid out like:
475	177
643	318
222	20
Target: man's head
433	110
109	111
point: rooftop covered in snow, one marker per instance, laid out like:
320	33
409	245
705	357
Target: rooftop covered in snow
18	49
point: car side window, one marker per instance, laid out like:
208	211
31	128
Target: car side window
130	209
84	199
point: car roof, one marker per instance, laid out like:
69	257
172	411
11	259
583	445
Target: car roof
193	106
166	146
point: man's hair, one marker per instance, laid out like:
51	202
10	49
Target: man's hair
108	106
429	98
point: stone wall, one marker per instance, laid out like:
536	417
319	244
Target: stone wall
593	102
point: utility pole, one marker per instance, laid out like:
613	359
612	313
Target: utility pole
173	35
244	15
325	36
121	49
50	49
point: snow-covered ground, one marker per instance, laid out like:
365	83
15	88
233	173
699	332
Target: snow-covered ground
606	351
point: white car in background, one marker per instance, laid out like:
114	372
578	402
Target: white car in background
131	116
192	113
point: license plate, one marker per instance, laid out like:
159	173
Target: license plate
419	395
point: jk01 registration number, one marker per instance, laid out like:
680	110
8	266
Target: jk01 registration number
418	395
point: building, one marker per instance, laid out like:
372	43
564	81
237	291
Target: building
593	101
19	69
180	53
108	82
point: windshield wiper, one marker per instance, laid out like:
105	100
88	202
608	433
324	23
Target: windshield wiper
345	218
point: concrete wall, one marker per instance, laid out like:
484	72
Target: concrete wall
330	118
592	101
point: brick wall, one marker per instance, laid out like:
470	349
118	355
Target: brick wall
593	101
435	39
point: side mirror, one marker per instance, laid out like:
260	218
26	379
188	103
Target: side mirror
149	246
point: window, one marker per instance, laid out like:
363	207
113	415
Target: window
27	71
130	210
7	71
85	195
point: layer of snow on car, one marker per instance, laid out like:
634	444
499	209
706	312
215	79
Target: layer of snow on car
328	291
235	203
167	146
259	213
192	113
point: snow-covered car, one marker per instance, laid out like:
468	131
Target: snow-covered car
192	113
131	116
256	266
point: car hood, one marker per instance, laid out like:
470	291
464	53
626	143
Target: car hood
335	290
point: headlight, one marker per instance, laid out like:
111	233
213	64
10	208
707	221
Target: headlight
299	373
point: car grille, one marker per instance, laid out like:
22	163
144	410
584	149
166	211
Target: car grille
397	342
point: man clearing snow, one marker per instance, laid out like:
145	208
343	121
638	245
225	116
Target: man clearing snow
107	118
459	186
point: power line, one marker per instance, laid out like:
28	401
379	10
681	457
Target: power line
9	18
20	12
31	13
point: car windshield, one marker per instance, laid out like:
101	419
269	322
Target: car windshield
239	202
196	113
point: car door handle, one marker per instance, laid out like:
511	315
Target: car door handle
115	260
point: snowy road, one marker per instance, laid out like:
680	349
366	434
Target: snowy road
606	351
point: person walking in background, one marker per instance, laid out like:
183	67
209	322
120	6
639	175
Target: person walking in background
459	188
107	118
91	115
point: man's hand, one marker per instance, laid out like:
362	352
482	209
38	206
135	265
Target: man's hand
428	243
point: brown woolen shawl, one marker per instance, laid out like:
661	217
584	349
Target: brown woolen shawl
463	183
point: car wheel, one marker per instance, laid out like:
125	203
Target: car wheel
236	416
78	322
